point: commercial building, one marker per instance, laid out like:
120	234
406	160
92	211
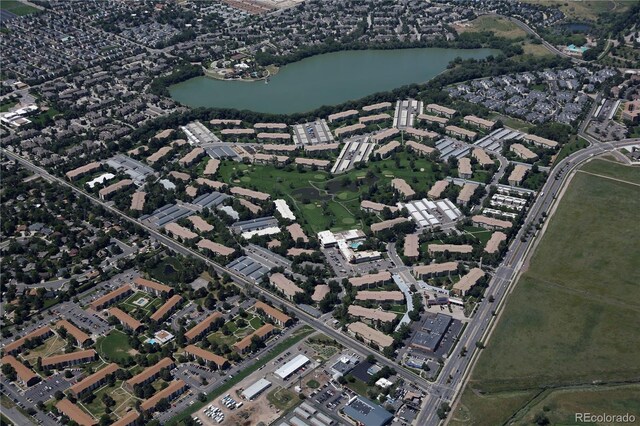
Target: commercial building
431	333
373	315
75	413
125	319
494	242
152	287
434	269
262	333
39	334
80	336
479	122
256	389
68	360
393	296
24	374
490	223
367	413
171	392
274	314
212	360
202	327
166	309
631	111
462	287
149	374
285	285
330	239
93	381
291	367
464	168
517	175
370	280
370	335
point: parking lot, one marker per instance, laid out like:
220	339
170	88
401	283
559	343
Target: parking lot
46	389
343	269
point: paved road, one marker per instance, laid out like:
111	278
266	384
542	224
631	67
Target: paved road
457	368
275	300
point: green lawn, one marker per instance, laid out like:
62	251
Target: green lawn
114	347
573	317
283	399
16	7
501	27
123	399
574	145
256	323
324	203
5	106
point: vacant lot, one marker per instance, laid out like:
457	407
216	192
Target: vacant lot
573	317
500	27
586	9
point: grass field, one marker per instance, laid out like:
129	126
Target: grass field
306	192
501	27
51	346
584	9
575	144
16	7
573	317
123	400
283	399
114	347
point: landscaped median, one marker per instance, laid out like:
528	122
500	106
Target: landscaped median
287	343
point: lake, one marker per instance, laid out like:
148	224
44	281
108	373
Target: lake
326	79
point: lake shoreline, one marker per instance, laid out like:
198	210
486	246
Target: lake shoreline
322	80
